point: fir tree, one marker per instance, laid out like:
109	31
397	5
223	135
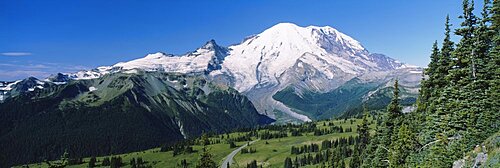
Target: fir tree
393	115
92	162
377	154
364	131
206	160
105	162
288	163
402	147
132	163
493	66
444	61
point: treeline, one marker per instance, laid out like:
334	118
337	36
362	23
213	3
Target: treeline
248	150
458	105
272	135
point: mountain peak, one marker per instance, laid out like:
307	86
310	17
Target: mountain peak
265	57
326	37
210	45
284	26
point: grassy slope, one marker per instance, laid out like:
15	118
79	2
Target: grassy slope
269	155
274	153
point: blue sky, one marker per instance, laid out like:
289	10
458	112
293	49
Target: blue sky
38	38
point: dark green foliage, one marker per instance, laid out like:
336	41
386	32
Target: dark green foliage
206	160
232	145
139	163
129	112
106	162
380	151
288	163
403	145
364	132
116	162
248	150
458	103
344	101
252	164
133	164
92	162
184	164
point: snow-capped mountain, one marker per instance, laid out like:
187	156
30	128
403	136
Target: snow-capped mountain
205	59
8	89
286	57
264	58
308	59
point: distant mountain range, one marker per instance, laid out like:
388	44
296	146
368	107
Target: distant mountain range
286	73
287	58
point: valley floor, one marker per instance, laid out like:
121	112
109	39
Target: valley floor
268	152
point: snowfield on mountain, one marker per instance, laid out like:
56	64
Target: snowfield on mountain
308	60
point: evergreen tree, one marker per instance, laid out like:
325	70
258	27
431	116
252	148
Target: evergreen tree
462	115
252	164
355	159
105	162
444	61
92	162
493	66
342	163
393	116
402	147
433	66
377	154
439	155
206	160
133	163
427	91
364	131
288	162
464	106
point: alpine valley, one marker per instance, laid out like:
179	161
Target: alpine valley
285	74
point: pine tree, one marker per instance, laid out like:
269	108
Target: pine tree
463	72
439	155
206	160
493	66
377	154
433	66
105	162
288	162
444	61
92	162
402	147
393	115
132	163
364	131
65	157
440	82
428	86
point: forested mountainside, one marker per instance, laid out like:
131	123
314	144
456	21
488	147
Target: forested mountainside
117	113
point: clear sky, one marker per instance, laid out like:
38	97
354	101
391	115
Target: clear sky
40	37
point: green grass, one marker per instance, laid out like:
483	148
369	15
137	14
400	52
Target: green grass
272	154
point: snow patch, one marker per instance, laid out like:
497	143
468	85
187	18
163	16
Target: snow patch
92	88
59	83
10	86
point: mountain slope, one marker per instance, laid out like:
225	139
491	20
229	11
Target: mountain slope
205	59
118	113
263	58
308	59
